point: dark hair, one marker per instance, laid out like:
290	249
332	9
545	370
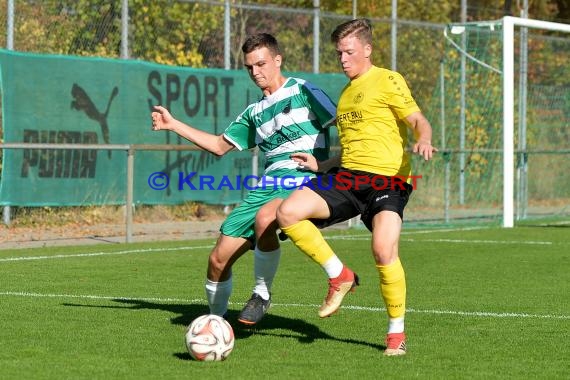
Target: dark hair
260	40
360	28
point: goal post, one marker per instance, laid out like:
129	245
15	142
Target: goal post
509	24
504	109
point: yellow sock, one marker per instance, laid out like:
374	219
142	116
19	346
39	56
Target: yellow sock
310	241
393	288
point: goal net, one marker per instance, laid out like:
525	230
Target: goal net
501	117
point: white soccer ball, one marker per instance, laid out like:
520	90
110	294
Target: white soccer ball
210	338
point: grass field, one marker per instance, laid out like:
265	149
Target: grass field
483	303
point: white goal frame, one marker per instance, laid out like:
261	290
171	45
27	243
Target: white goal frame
509	24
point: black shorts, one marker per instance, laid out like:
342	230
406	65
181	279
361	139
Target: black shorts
350	193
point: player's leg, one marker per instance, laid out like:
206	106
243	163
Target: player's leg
267	250
235	239
293	217
267	254
385	244
218	284
384	217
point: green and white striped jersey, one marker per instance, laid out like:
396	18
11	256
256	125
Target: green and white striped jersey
293	119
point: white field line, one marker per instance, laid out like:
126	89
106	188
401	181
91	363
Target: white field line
155	250
330	237
435	230
484	314
510	242
460	241
93	254
411	232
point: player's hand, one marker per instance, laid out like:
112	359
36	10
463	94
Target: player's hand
424	149
306	161
161	118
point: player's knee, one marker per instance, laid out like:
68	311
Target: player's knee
217	264
385	254
286	214
264	219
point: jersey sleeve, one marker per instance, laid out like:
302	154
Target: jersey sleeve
241	132
399	96
320	104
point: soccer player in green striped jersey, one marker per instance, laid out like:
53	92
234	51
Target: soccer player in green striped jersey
291	117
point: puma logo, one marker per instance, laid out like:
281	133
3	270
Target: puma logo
82	102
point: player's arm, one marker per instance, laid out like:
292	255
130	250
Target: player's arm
163	120
325	166
309	162
422	133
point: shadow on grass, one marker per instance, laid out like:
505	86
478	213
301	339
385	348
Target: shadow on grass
548	225
271	325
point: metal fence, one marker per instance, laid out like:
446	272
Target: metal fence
209	34
201	33
130	150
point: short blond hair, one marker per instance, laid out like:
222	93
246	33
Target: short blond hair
360	28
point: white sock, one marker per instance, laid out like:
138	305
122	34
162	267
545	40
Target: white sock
333	267
396	325
265	268
218	295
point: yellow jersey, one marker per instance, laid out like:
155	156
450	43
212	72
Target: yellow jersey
370	113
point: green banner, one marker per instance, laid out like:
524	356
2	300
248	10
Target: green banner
72	100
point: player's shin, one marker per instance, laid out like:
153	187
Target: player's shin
393	289
265	268
307	237
218	295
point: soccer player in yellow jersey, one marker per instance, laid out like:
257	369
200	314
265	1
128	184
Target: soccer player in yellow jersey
374	112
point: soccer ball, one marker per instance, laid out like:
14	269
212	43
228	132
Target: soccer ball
210	338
